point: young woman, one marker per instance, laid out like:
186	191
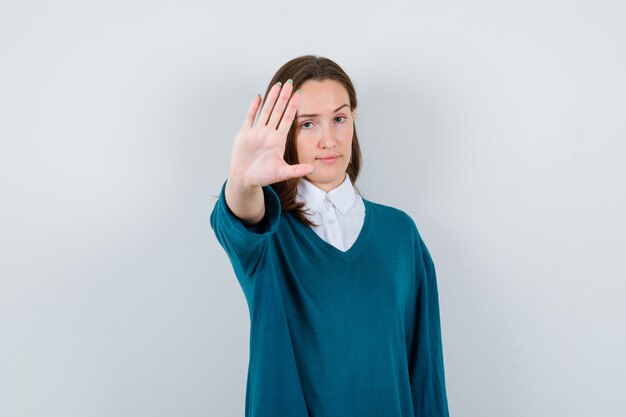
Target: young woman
341	290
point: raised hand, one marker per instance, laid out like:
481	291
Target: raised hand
257	154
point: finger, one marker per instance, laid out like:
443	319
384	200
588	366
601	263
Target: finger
290	113
280	105
295	171
269	104
254	107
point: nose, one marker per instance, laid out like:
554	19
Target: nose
327	140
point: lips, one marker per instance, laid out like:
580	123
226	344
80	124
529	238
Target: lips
328	160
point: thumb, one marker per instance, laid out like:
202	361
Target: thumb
299	170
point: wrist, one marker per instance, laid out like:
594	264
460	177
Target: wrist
240	183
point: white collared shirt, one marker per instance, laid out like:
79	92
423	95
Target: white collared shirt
340	213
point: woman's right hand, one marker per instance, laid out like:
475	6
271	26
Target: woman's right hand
257	154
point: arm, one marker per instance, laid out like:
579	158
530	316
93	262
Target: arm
426	369
245	244
245	203
248	210
257	157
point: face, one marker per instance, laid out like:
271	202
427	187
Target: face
324	129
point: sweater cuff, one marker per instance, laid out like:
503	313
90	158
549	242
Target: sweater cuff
267	226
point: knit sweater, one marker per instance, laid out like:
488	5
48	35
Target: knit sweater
332	333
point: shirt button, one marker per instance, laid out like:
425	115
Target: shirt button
331	221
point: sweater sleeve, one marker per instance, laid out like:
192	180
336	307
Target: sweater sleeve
425	352
244	244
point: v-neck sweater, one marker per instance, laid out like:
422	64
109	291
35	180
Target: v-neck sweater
337	215
332	333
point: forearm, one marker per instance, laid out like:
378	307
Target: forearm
247	203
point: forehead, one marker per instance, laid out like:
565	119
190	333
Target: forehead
322	96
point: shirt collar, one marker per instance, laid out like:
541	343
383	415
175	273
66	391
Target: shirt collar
313	197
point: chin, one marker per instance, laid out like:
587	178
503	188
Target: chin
331	179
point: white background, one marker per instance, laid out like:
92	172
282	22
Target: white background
498	126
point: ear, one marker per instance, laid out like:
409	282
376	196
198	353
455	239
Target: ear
354	113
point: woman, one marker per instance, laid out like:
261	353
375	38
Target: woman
341	290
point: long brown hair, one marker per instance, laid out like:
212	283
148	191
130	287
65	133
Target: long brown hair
300	70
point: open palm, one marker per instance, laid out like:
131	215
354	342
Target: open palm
257	154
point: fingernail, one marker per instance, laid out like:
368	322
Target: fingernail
279	83
297	91
290	81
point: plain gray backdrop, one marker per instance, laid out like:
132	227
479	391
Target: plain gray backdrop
499	126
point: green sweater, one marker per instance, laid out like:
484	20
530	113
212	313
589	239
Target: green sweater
332	333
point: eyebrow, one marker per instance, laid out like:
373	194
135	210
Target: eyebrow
316	115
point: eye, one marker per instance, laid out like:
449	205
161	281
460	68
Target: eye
306	125
337	119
